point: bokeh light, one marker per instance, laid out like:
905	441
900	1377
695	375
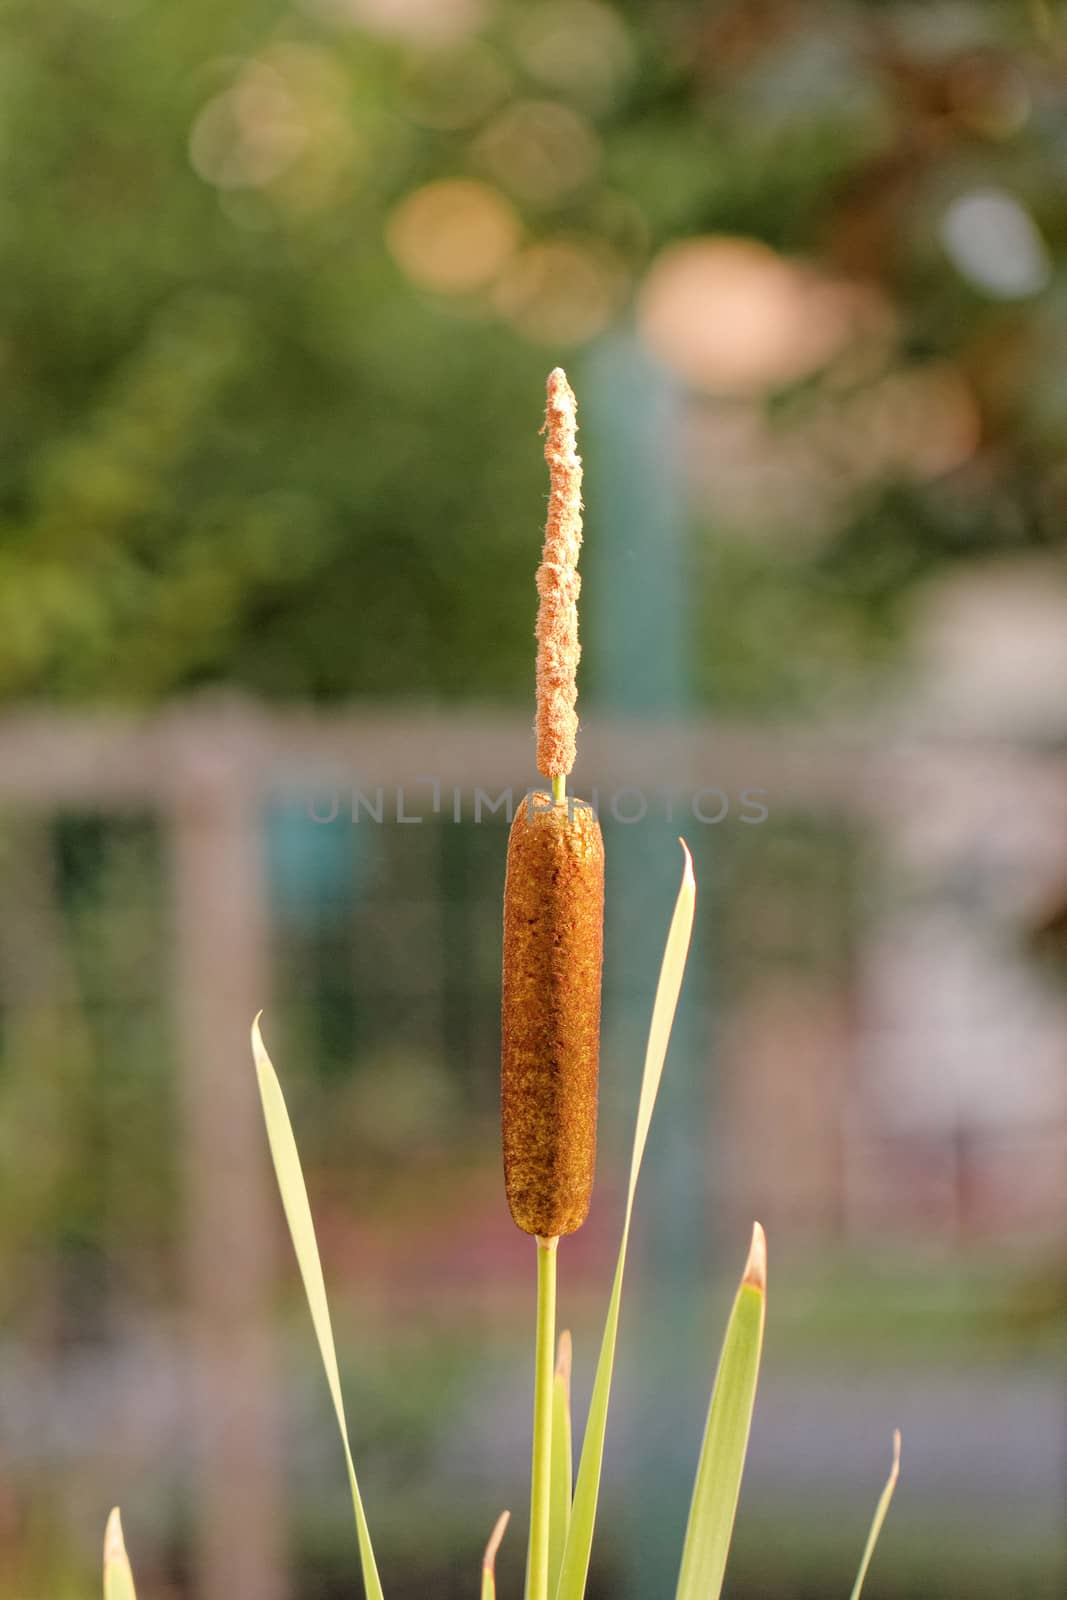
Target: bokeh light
453	236
562	291
730	315
580	48
249	134
282	125
995	244
423	22
539	151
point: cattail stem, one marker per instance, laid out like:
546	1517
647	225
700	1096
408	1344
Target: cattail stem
541	1472
559	788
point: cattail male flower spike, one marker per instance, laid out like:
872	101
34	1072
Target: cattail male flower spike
553	902
558	585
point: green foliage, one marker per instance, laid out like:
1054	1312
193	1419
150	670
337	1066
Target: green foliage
576	1551
722	1454
881	1511
230	416
298	1215
562	1462
118	1577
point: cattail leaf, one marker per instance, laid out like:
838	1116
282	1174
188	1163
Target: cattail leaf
880	1513
562	1462
118	1576
489	1558
672	971
298	1215
575	1566
722	1455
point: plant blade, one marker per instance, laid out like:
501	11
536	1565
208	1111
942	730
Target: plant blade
293	1191
118	1575
489	1558
880	1512
579	1542
562	1461
722	1454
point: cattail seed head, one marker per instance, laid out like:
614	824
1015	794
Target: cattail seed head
558	584
553	955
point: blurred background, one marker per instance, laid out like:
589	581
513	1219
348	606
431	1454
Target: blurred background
282	286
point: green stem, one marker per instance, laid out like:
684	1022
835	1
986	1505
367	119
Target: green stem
559	789
541	1469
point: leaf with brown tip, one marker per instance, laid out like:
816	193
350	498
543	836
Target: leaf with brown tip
489	1558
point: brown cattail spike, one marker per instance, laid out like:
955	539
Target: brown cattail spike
558	584
553	954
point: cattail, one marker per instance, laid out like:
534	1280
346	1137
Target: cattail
553	950
553	903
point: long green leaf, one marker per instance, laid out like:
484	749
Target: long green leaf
562	1461
575	1567
298	1215
118	1577
489	1558
880	1512
722	1455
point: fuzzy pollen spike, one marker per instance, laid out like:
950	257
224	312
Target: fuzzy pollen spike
755	1273
558	584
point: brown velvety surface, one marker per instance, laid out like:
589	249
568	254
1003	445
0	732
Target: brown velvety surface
553	955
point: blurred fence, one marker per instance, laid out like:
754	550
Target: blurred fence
887	1054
